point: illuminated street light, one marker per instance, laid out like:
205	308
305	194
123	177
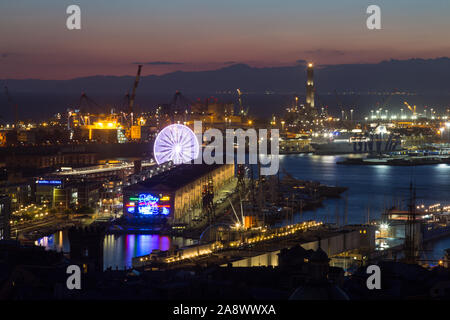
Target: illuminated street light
384	226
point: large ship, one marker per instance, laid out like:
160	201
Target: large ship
355	141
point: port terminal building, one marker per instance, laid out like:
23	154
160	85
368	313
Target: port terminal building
175	193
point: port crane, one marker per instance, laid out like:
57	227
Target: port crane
241	109
385	101
180	103
180	106
15	106
339	103
88	110
412	109
346	124
354	105
133	94
323	108
82	116
90	103
242	112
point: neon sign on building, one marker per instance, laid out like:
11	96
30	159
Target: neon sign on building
49	182
147	204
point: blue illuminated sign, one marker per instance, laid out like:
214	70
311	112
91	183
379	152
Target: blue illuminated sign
149	204
49	182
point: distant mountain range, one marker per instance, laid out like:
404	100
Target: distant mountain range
414	75
428	78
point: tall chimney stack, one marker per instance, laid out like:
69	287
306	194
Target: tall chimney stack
310	86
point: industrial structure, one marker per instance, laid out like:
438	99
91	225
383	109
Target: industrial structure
113	169
310	86
176	194
300	120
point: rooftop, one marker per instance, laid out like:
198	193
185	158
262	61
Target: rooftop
175	178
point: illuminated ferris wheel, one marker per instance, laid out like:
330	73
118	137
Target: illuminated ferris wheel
176	143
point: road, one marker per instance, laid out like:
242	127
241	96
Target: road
41	227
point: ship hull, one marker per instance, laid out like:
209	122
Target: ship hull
355	147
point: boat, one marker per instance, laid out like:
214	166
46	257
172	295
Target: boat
431	224
355	141
438	227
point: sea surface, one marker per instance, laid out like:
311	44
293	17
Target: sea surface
372	189
118	250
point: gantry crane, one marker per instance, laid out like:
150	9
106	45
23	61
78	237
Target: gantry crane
339	103
15	106
413	109
241	108
242	112
133	94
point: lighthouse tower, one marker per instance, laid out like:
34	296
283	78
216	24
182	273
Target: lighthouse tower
310	85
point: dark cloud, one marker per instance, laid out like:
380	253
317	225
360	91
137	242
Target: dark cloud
7	54
301	62
159	63
230	62
325	52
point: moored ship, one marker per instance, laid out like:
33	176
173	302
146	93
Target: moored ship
355	141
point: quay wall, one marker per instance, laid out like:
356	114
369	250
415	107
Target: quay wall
333	245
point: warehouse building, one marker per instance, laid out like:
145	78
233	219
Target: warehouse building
173	193
64	193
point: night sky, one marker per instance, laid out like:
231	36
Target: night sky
208	34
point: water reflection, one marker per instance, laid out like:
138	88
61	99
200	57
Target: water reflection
55	242
434	250
371	190
118	250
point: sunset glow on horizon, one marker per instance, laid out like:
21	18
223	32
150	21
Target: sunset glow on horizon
205	35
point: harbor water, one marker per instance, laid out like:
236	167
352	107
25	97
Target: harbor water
372	189
118	250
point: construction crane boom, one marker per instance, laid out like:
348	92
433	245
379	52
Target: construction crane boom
412	109
133	93
15	106
339	101
241	108
385	101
